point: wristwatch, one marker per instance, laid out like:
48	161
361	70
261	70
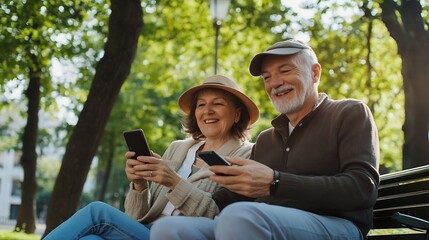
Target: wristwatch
275	183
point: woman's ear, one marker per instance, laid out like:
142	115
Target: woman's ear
237	115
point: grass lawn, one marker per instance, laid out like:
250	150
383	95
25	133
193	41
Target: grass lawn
11	235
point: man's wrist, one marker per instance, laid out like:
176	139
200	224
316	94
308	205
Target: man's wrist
275	183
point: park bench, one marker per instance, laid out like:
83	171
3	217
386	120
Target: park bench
405	192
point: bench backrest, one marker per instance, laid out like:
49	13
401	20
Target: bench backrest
405	191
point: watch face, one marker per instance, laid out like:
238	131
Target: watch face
275	183
276	176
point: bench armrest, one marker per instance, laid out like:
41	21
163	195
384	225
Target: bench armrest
410	221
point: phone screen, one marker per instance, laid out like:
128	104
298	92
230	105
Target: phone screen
136	142
212	158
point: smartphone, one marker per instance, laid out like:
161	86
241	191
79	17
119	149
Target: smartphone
136	142
212	158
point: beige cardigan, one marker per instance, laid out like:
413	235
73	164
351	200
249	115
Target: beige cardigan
192	197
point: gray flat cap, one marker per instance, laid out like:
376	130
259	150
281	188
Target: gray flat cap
287	47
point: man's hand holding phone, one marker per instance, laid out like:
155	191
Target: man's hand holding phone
246	177
214	159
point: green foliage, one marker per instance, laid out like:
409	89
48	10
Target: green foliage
349	70
85	199
397	231
176	51
28	29
47	171
6	141
11	235
43	31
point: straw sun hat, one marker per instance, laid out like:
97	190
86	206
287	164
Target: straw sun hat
223	83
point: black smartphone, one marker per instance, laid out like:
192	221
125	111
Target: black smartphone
212	158
136	142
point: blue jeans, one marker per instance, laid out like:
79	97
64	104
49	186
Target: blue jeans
250	220
99	221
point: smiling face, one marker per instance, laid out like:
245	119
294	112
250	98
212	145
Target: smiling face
291	84
216	113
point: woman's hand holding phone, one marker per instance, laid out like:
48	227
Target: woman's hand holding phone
143	166
132	172
151	168
137	146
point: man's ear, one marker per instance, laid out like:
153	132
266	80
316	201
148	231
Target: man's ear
316	71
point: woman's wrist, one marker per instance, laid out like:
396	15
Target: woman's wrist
176	181
139	187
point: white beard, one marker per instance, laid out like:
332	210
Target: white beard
286	106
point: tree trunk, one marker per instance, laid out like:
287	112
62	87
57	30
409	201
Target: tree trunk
416	86
125	25
108	170
412	39
26	220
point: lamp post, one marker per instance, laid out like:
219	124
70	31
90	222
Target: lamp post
218	11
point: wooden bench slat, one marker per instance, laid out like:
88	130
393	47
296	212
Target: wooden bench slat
403	200
404	188
404	175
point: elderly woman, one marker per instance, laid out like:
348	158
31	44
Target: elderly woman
218	116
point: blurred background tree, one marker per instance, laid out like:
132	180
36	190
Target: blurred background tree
33	33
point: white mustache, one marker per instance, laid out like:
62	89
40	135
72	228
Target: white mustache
280	89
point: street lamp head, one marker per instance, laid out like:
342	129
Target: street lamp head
218	10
